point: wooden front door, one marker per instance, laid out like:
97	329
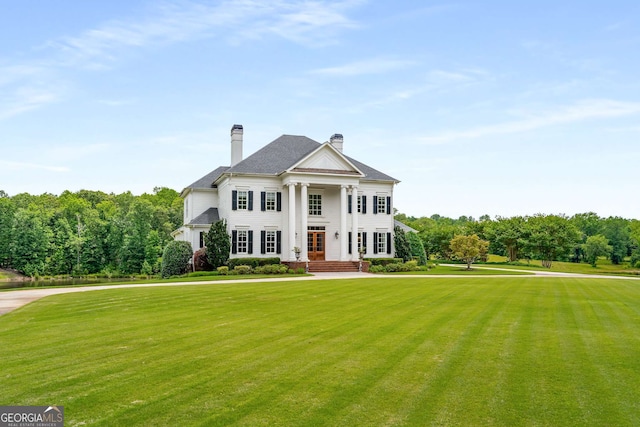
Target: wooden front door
315	245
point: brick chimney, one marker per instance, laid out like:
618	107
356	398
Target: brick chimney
236	144
337	140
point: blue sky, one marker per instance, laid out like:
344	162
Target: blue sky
477	107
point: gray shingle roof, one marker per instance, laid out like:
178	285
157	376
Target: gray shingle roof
287	150
278	156
207	217
208	180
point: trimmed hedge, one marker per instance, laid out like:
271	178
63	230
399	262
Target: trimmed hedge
252	262
384	261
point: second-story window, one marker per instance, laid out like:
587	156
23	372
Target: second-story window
315	204
270	201
243	200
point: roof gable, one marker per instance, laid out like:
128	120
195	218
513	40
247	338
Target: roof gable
326	159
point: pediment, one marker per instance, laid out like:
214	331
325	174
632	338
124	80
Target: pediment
326	159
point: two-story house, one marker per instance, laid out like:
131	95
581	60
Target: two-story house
294	193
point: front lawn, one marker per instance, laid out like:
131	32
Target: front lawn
388	351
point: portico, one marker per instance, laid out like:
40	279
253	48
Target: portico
320	222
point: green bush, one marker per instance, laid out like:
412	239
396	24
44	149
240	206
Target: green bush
252	262
242	269
395	267
175	258
300	270
271	269
223	271
384	261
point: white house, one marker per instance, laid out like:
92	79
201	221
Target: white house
293	193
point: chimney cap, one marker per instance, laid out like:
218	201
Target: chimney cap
336	136
236	127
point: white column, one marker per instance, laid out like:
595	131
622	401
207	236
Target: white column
292	221
304	213
343	223
354	224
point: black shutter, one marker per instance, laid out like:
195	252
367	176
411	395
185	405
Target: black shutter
278	201
388	243
250	203
349	242
364	204
388	205
349	198
375	204
234	241
250	245
202	239
278	241
263	241
364	241
375	241
234	201
263	201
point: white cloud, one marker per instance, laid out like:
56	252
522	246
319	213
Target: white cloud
309	22
368	66
21	166
580	111
25	99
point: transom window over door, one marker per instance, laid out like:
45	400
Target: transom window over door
315	204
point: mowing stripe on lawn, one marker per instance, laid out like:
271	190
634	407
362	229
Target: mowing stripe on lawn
468	351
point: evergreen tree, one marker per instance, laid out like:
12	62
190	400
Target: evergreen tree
218	244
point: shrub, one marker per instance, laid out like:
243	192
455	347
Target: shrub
384	261
271	269
200	260
175	258
300	270
223	271
252	262
242	269
377	269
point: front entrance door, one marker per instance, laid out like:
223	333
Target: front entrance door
315	245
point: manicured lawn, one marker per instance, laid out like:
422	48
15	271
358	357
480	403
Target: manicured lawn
388	351
460	270
604	267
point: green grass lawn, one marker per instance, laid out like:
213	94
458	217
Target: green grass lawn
388	351
459	270
604	267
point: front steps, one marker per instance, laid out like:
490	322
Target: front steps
331	266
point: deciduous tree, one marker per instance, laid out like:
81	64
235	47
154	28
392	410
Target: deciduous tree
468	248
596	246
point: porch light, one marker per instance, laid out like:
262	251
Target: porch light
337	235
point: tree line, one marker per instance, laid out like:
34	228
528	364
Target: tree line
582	237
87	232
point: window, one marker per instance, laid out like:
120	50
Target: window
243	200
381	243
243	241
270	242
382	204
315	204
270	201
202	239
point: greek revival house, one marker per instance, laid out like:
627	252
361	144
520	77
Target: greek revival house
294	195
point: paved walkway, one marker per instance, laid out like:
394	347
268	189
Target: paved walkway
13	299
